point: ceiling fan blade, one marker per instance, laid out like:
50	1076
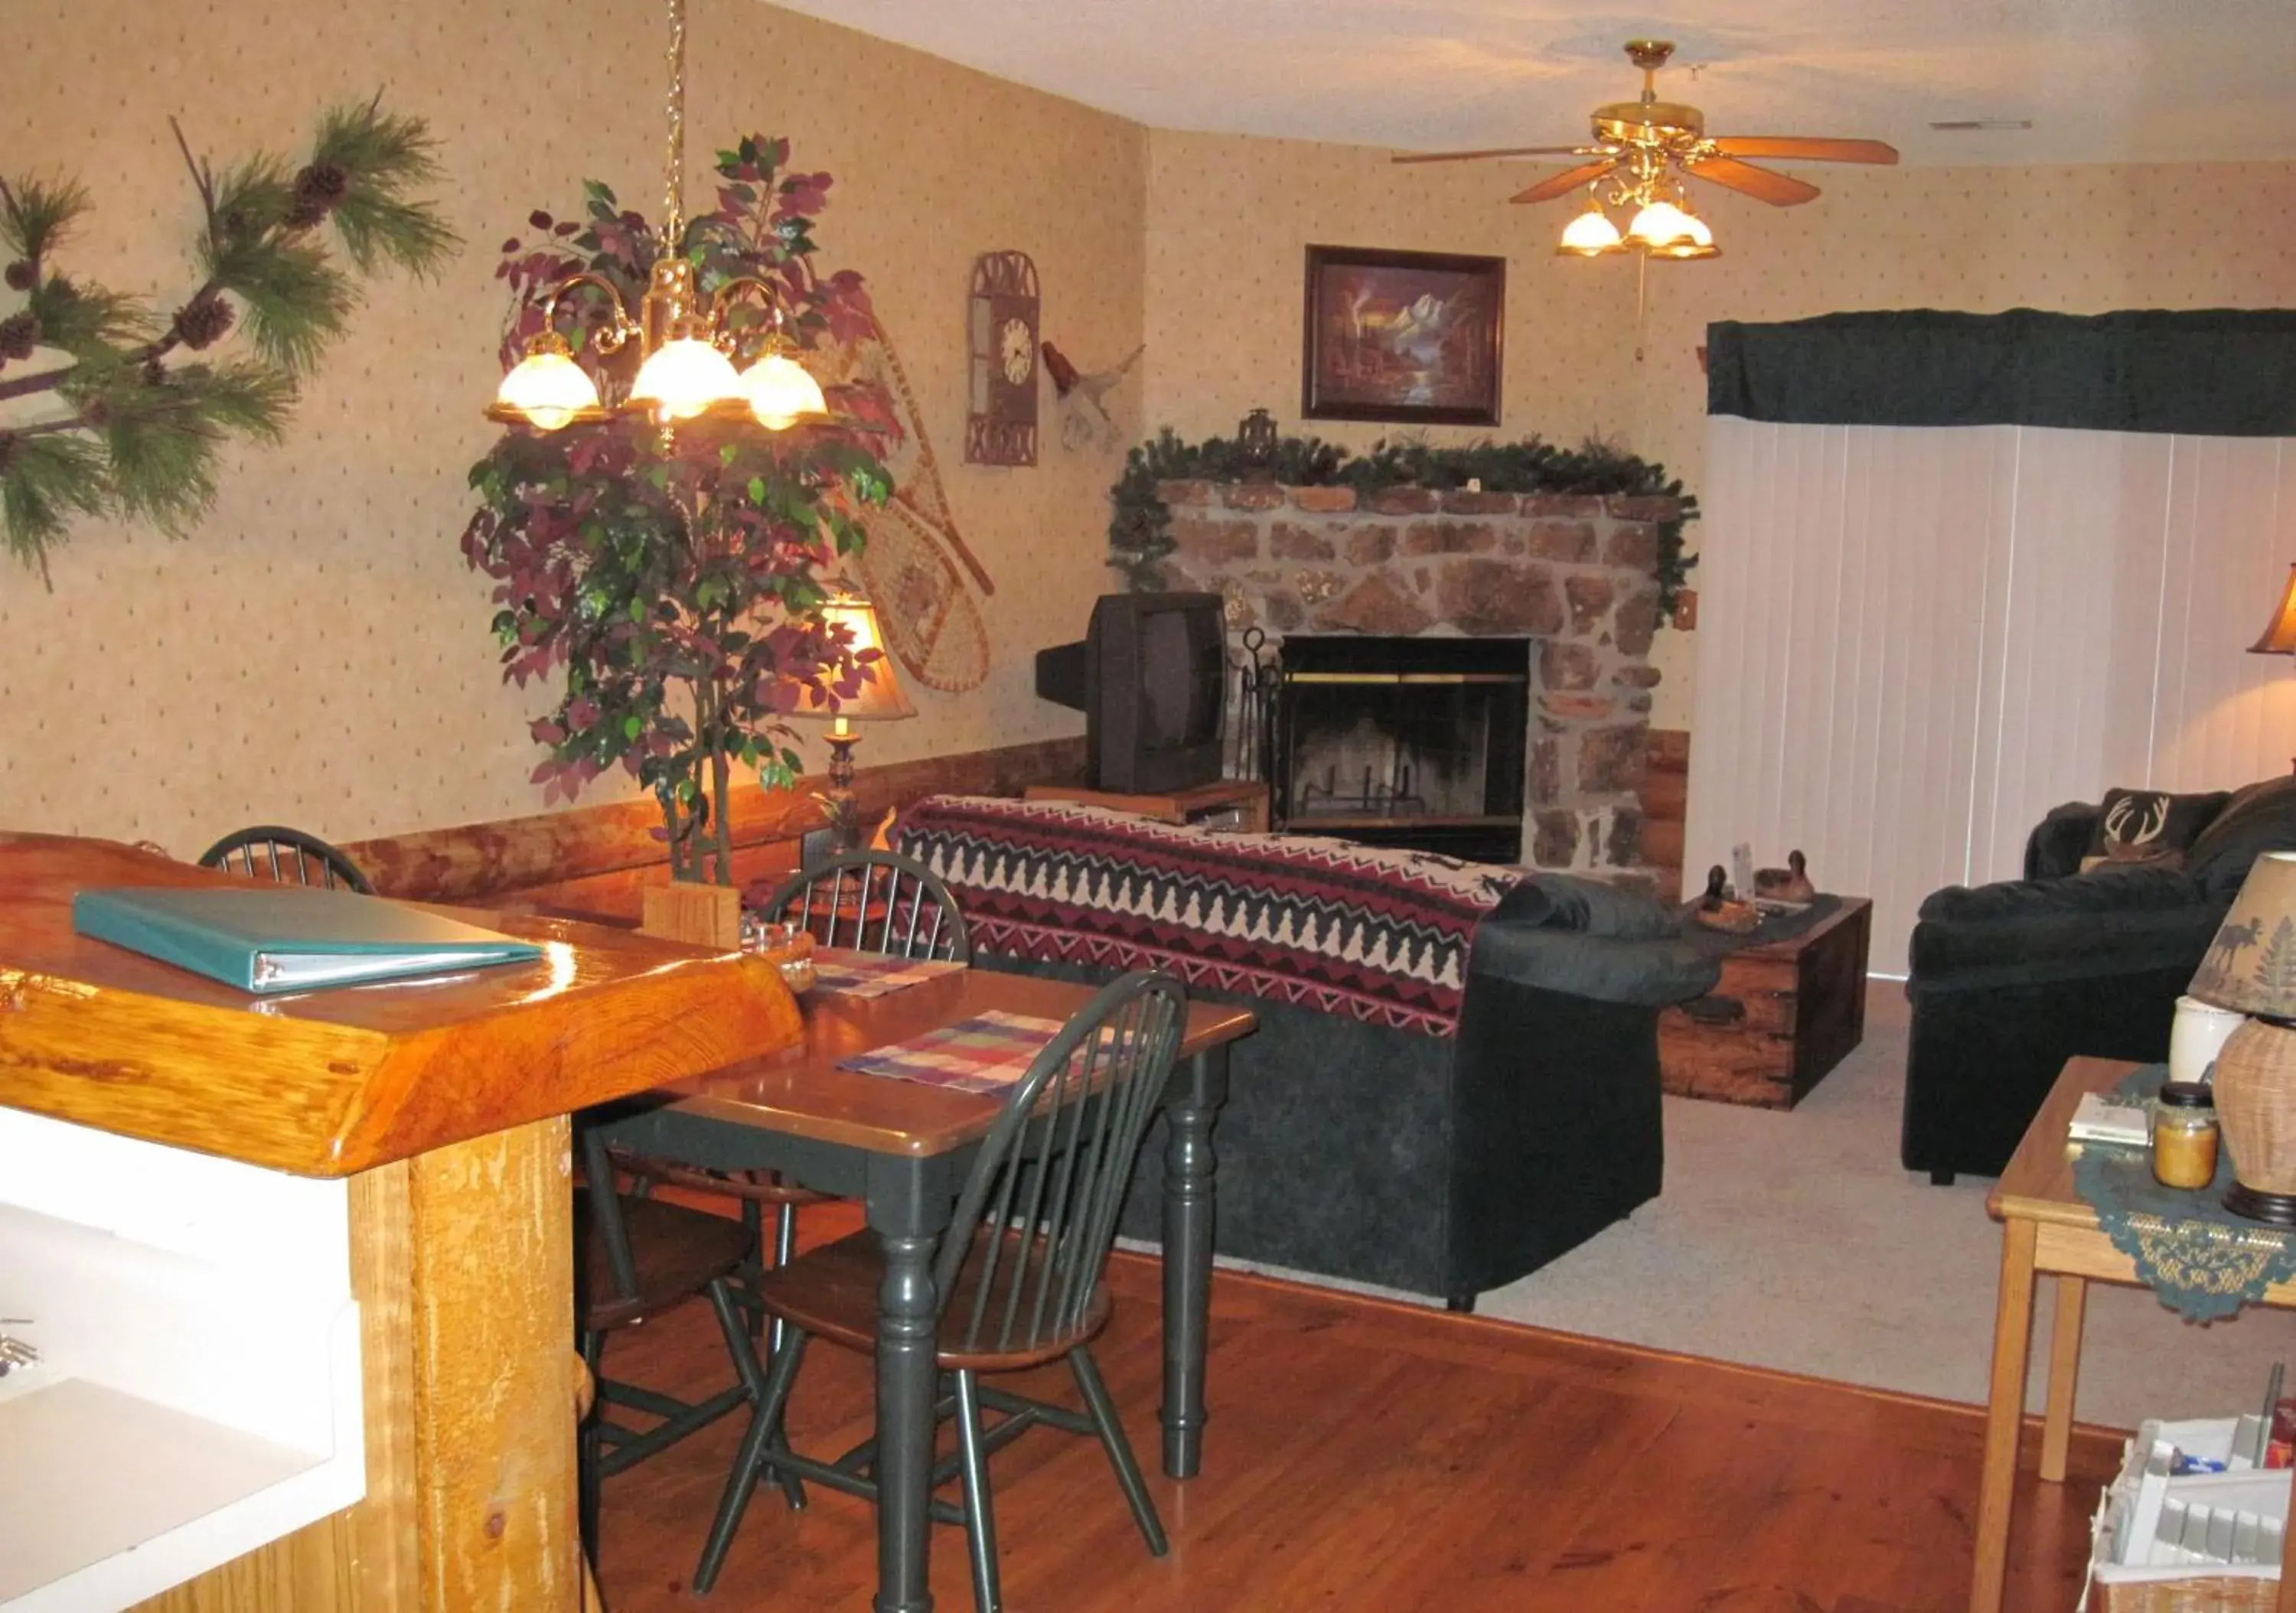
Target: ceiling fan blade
1809	150
1779	190
1567	181
1503	150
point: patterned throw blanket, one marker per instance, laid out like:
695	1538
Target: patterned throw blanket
1350	929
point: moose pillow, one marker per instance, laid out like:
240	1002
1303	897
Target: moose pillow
2147	826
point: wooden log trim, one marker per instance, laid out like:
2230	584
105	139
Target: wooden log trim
484	862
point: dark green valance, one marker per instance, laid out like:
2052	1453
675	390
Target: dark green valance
2213	373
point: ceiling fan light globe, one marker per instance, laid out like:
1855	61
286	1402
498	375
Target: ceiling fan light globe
682	378
547	386
1660	224
1591	234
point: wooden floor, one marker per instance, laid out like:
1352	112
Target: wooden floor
1375	1456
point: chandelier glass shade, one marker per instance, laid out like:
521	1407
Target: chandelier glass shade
682	378
685	335
548	389
781	391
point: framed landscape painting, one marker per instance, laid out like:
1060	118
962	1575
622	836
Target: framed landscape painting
1408	336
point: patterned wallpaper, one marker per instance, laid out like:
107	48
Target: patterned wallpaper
1228	220
317	653
1228	216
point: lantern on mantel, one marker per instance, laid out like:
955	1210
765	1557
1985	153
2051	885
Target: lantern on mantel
1255	440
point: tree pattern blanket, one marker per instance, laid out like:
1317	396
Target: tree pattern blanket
1381	935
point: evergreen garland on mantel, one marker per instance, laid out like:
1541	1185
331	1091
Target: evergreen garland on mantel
127	422
1140	529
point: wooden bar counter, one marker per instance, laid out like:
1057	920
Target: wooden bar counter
442	1103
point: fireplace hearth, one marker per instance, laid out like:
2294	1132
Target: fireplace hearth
1416	742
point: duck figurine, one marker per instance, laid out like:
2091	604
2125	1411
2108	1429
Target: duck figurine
1717	910
1787	884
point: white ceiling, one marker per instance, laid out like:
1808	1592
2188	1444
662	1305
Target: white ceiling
2102	80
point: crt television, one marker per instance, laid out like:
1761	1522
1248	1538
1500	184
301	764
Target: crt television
1150	679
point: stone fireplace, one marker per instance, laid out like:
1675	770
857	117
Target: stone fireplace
1574	575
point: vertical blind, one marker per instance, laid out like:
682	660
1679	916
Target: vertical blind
1916	640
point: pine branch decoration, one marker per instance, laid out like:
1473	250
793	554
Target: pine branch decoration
133	404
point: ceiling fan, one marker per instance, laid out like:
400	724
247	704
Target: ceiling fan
1643	147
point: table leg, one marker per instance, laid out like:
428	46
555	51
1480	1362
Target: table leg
909	1223
2065	1375
1189	1194
2005	1415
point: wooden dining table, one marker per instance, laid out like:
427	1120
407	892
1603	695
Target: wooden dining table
903	1149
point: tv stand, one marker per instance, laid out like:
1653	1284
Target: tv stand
1230	804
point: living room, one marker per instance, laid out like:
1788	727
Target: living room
315	650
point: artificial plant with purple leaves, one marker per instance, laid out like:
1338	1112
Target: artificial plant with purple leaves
674	574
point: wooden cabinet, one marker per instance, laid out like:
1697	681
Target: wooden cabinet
1784	1014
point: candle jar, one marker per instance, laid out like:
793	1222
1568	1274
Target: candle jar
2184	1135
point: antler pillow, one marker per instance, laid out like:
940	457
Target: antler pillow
2148	826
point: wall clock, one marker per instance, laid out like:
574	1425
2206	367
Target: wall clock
1001	427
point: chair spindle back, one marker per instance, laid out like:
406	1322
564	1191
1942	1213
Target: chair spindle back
1038	1210
285	856
874	901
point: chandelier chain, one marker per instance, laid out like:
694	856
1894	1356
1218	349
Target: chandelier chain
674	165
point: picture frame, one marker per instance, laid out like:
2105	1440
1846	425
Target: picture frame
1407	338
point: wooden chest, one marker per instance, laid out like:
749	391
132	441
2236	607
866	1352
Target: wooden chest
1784	1014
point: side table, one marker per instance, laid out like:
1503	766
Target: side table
2046	1226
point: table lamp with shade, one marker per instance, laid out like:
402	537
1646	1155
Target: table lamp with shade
880	699
2279	636
2251	969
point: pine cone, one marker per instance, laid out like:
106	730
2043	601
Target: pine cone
20	333
203	320
317	189
21	275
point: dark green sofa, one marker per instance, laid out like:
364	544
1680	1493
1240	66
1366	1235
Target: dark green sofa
2009	980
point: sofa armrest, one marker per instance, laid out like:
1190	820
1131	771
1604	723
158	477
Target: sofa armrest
1583	938
2060	841
1645	973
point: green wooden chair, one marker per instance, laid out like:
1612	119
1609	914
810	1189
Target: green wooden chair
1019	1275
865	901
874	901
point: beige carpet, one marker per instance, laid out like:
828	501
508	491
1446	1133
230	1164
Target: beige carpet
1795	1240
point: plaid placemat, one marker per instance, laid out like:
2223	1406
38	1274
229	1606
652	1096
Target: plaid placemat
873	974
985	1053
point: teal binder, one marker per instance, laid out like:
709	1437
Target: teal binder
288	938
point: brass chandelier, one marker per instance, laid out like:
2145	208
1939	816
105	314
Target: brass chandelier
684	333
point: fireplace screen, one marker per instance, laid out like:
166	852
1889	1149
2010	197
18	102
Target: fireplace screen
1404	742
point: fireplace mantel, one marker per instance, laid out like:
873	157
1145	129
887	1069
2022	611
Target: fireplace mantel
1576	573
